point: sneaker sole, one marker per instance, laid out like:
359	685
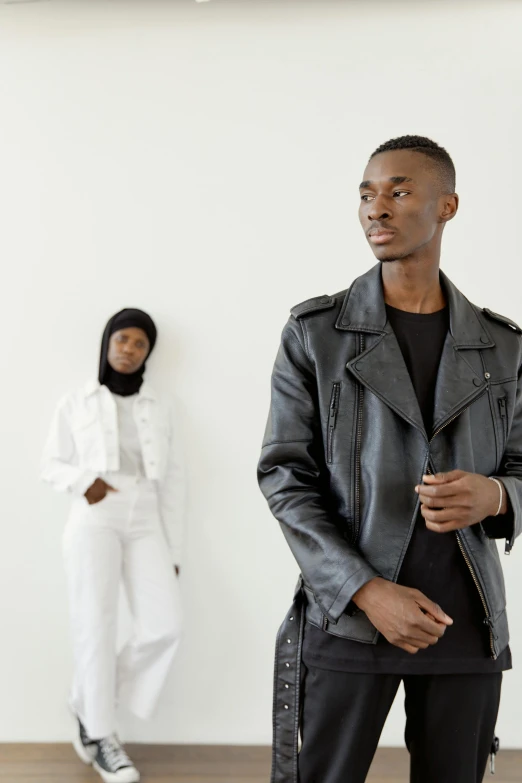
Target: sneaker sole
125	775
82	752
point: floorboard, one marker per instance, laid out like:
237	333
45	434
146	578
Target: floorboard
43	763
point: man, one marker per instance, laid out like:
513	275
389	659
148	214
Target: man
393	459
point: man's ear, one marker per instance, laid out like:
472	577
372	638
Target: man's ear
450	205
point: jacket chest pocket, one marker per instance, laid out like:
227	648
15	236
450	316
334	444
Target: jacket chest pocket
333	412
502	424
87	436
154	438
343	438
343	423
502	407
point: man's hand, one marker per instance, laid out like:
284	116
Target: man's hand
404	616
98	491
451	501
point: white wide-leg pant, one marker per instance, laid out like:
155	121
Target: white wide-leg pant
120	540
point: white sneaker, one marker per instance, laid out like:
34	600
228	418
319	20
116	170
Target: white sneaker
85	748
112	763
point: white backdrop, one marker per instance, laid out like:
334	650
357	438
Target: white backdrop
202	162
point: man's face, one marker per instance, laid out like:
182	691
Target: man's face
401	204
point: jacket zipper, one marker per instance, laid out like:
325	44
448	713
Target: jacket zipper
332	420
358	439
503	416
459	413
488	621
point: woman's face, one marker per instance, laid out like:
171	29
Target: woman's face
128	349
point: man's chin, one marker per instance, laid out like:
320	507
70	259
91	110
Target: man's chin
388	256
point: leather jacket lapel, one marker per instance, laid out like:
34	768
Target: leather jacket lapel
457	385
383	371
381	368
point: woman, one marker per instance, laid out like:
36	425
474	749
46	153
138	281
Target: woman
115	446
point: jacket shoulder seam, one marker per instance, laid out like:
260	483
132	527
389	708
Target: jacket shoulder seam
314	305
502	319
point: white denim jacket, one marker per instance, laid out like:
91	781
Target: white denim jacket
83	444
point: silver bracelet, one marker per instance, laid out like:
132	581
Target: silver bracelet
499	485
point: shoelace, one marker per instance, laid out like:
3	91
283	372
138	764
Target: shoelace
114	753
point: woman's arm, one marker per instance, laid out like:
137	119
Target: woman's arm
60	466
172	492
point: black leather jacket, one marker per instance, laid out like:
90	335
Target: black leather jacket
345	446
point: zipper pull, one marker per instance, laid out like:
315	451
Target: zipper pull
502	406
489	622
334	406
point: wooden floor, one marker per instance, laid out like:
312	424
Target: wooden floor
198	764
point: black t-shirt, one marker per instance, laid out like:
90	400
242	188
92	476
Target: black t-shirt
433	563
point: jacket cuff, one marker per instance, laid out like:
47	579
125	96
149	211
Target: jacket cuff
499	527
512	486
343	599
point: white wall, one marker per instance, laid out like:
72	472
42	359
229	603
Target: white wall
202	162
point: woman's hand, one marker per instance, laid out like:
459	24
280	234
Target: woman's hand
98	491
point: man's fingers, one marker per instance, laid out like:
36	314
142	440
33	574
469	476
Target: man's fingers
409	648
422	639
415	644
440	515
446	527
451	489
452	501
432	627
111	489
443	520
443	478
433	614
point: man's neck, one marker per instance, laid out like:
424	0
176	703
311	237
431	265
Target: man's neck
413	286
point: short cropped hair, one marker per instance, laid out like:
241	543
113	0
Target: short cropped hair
437	154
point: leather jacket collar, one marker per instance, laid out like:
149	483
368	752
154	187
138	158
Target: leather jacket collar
363	310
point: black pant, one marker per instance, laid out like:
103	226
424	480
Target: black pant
450	724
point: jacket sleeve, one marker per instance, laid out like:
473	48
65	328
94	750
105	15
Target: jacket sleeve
291	474
59	466
510	473
172	491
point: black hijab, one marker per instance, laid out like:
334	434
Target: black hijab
118	382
